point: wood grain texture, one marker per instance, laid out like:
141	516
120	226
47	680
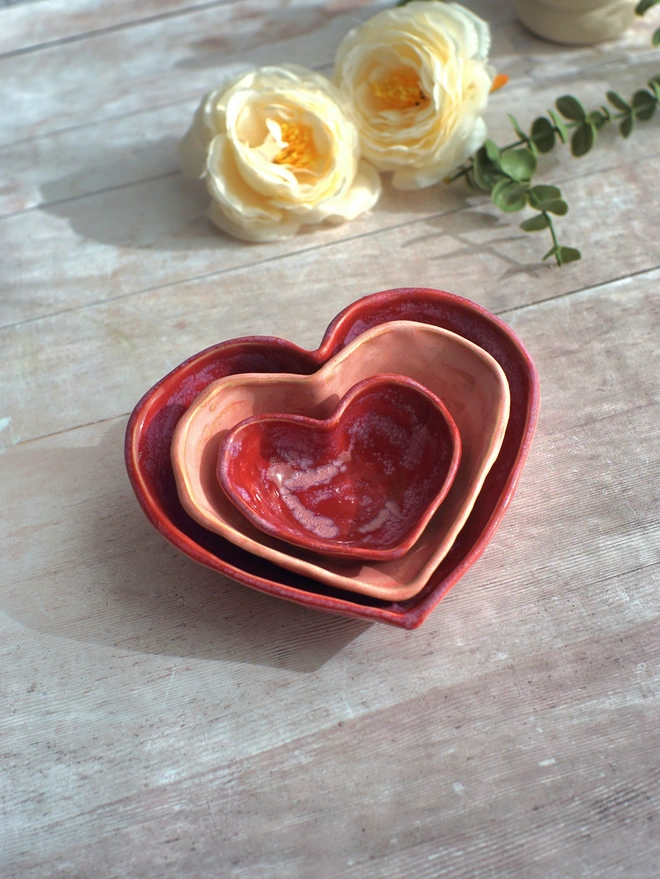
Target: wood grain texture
108	154
124	192
94	154
49	91
74	20
506	700
159	720
57	22
95	362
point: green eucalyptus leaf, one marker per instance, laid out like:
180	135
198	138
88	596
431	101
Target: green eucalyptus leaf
542	194
655	39
535	224
569	254
519	165
617	101
514	124
560	125
583	139
571	108
486	174
627	126
655	88
543	134
644	5
558	206
492	151
643	104
509	196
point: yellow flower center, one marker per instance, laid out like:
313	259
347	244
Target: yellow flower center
299	149
400	90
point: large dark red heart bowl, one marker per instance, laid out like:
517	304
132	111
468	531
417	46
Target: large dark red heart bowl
152	423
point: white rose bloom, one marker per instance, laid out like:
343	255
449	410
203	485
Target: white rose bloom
278	151
419	81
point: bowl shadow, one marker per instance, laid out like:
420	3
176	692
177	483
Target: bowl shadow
110	579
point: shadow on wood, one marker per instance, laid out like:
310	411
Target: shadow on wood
111	579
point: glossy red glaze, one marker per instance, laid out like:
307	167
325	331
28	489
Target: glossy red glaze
151	426
472	385
362	484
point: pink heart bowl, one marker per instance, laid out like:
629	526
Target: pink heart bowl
153	421
472	385
362	484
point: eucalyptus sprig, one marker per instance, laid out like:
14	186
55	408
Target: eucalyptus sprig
507	172
642	7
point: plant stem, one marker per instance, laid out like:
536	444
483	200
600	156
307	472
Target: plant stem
551	228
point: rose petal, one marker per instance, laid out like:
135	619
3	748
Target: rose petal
420	138
360	197
236	207
264	231
278	150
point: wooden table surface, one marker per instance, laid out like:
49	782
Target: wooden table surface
159	720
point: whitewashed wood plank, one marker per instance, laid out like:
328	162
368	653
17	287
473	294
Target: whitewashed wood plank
155	233
134	226
26	27
179	59
527	704
510	772
95	362
160	721
75	163
161	62
130	149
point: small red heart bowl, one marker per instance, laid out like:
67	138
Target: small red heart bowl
362	484
153	421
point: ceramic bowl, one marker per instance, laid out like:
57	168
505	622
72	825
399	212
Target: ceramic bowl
468	380
362	484
151	427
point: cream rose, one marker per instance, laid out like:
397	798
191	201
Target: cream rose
418	80
277	152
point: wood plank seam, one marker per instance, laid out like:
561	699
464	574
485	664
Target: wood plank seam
590	288
562	297
567	178
640	58
312	248
112	29
512	88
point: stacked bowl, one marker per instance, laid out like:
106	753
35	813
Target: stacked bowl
363	478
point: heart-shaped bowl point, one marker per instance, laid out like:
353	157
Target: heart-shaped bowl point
361	484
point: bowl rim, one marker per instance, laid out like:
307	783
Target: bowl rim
390	581
328	427
423	304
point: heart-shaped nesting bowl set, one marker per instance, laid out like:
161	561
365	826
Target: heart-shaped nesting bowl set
363	478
